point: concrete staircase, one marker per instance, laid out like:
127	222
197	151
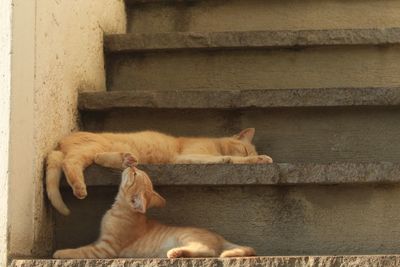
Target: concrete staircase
312	261
320	82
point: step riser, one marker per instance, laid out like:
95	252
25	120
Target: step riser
340	66
245	15
276	220
287	134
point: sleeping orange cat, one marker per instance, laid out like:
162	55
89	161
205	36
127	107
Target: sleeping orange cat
78	150
126	232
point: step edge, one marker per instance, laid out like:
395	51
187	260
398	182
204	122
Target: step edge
254	174
131	42
348	260
234	99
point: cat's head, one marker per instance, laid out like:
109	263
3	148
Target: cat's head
240	144
137	190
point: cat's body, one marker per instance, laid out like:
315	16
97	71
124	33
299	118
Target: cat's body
126	232
80	149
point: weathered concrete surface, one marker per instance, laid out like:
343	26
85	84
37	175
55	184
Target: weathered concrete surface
252	39
275	220
269	174
318	97
317	67
295	135
247	15
56	50
310	261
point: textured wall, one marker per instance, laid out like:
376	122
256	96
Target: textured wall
57	50
69	57
5	83
22	154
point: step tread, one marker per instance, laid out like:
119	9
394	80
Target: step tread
254	174
261	98
249	39
309	261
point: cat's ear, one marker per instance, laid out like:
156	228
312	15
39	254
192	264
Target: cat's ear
156	200
246	135
140	202
143	201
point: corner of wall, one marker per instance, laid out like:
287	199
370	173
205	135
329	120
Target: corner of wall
57	50
5	85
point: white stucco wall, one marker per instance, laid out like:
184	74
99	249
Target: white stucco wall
69	57
57	50
21	154
5	87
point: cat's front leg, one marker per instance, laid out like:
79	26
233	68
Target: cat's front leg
260	159
113	159
201	159
67	254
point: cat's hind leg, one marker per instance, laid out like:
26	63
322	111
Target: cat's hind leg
73	170
233	250
114	159
260	159
191	250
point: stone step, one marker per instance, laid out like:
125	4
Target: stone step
280	209
287	134
117	43
293	261
253	174
207	61
245	15
225	99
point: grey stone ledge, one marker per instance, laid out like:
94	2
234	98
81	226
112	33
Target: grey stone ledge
254	174
226	99
295	261
249	39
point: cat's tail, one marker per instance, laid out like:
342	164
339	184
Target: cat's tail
233	250
53	177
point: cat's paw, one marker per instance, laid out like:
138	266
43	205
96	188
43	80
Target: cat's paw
175	253
262	159
62	254
129	160
79	190
226	159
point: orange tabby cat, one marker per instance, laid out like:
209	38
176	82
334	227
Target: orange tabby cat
126	232
79	150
